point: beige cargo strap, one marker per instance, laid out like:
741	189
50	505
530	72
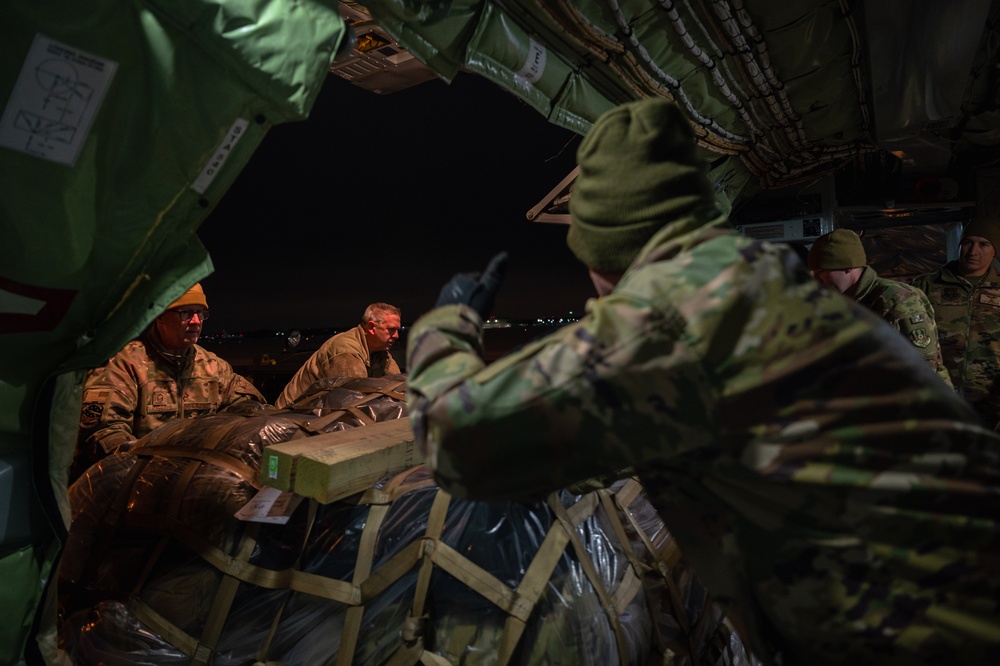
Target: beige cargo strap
390	391
362	569
591	572
665	560
110	521
266	645
216	458
316	426
426	553
179	490
224	596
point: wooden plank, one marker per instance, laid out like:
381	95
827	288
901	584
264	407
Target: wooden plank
358	458
278	464
279	461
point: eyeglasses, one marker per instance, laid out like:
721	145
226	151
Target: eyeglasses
188	315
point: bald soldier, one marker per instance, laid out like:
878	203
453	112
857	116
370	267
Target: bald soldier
966	298
831	493
838	260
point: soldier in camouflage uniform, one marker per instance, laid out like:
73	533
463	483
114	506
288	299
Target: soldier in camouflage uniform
162	376
838	260
966	297
829	490
362	351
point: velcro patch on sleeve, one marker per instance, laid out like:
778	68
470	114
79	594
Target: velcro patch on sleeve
90	415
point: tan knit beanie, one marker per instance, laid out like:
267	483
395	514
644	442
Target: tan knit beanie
193	296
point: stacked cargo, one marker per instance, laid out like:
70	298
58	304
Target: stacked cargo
374	565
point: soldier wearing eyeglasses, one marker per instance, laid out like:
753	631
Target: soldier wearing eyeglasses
161	376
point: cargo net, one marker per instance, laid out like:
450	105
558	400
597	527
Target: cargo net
157	570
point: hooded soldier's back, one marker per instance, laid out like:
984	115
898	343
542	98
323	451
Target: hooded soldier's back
826	487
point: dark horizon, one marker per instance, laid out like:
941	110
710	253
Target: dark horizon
384	198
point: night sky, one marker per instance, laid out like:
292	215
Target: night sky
383	198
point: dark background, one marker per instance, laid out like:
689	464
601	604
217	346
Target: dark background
383	198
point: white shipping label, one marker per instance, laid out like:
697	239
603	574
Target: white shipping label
55	99
220	156
534	67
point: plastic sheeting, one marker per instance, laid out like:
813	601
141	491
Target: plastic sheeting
399	570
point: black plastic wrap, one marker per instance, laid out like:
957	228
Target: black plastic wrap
119	526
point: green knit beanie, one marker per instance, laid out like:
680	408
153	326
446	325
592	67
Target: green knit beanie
984	227
841	248
638	173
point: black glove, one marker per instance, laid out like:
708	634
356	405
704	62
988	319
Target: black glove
475	290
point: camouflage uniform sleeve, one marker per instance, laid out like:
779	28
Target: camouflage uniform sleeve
918	326
318	366
110	399
238	390
574	405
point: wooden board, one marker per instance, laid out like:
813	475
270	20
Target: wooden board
359	457
280	467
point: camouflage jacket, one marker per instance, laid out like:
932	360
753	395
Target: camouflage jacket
344	355
968	319
142	387
827	488
907	310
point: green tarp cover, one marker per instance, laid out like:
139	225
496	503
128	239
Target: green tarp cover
123	124
767	111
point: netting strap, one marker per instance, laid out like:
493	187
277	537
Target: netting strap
435	527
217	458
317	425
429	552
390	391
362	569
665	561
266	645
163	627
531	588
224	596
591	572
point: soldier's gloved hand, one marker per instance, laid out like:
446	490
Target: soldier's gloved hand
476	290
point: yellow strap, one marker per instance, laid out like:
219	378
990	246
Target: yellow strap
664	561
478	579
163	627
349	635
225	594
316	425
435	526
220	459
389	573
591	572
362	569
531	587
300	581
629	586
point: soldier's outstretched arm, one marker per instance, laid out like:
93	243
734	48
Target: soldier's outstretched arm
606	393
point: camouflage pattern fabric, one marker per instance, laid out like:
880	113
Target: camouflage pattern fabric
834	495
968	319
906	309
142	387
344	355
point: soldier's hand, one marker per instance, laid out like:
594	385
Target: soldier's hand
476	290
